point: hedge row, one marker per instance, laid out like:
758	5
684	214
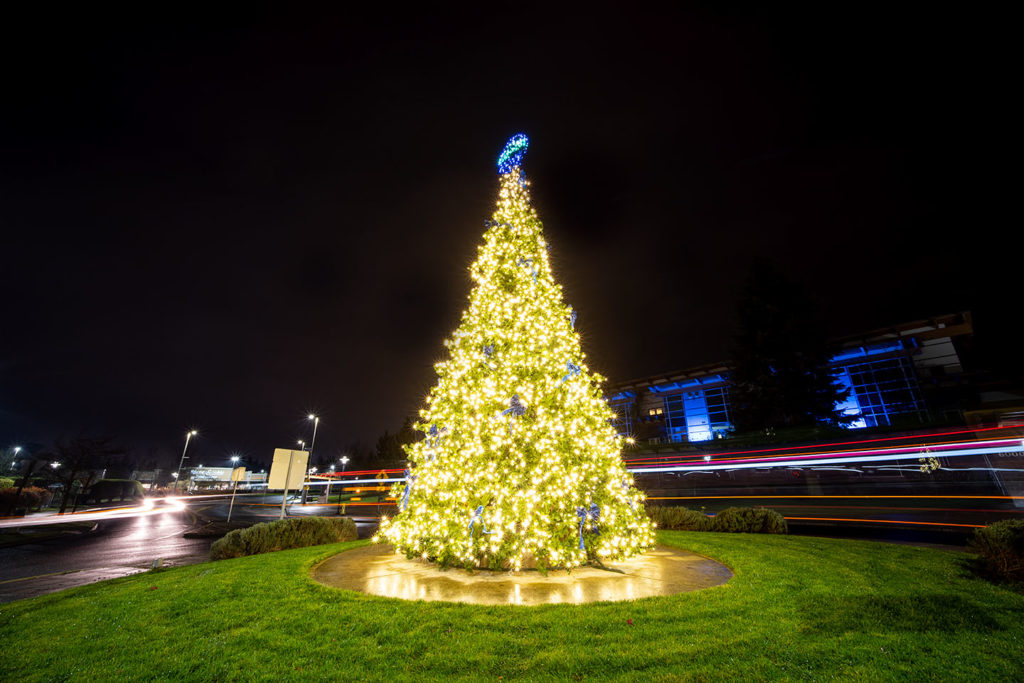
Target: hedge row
1000	549
284	534
733	520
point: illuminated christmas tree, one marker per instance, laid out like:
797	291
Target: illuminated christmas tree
520	461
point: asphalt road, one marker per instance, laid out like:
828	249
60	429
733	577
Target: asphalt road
124	546
118	547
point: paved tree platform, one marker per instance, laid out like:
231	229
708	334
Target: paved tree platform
377	570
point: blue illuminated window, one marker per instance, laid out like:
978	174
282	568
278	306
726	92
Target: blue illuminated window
699	415
881	390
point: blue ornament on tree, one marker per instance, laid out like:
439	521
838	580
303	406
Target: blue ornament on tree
593	514
434	435
409	481
478	517
573	371
515	407
528	262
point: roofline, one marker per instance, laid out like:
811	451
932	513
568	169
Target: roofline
952	325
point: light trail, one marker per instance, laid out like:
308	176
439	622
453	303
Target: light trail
947	445
147	509
930	497
840	443
842	457
882	521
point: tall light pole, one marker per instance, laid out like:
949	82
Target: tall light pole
327	496
305	475
234	488
188	437
316	423
343	461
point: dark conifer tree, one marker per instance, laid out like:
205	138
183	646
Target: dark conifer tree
780	375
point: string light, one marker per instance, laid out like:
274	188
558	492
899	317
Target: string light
512	156
523	447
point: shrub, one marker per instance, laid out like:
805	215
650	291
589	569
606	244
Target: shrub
284	534
679	518
1000	549
31	497
750	521
6	482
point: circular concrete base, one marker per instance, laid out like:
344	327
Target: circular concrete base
377	570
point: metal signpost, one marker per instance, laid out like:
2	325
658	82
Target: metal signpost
236	476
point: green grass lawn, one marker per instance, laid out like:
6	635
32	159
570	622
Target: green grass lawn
798	608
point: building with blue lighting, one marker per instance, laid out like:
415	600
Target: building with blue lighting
910	374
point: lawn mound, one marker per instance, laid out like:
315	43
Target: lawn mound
797	608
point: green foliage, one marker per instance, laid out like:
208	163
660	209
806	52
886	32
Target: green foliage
284	534
780	375
679	518
1000	549
797	609
391	447
730	520
31	497
6	482
750	521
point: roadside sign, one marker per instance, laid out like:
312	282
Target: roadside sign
290	464
238	474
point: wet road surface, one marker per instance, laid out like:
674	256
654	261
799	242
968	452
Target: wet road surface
118	547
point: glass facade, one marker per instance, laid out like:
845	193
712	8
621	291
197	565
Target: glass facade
699	415
882	389
622	405
881	380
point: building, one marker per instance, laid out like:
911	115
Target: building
902	375
220	478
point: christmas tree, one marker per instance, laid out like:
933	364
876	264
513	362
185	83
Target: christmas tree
520	460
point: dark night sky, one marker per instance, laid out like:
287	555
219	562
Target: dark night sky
230	221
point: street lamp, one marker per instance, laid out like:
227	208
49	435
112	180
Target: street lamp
316	423
327	496
302	445
188	437
344	462
54	465
234	486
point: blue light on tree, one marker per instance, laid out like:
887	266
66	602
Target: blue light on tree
512	155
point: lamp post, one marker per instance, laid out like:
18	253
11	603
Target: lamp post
234	461
327	496
316	423
344	462
305	478
188	437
